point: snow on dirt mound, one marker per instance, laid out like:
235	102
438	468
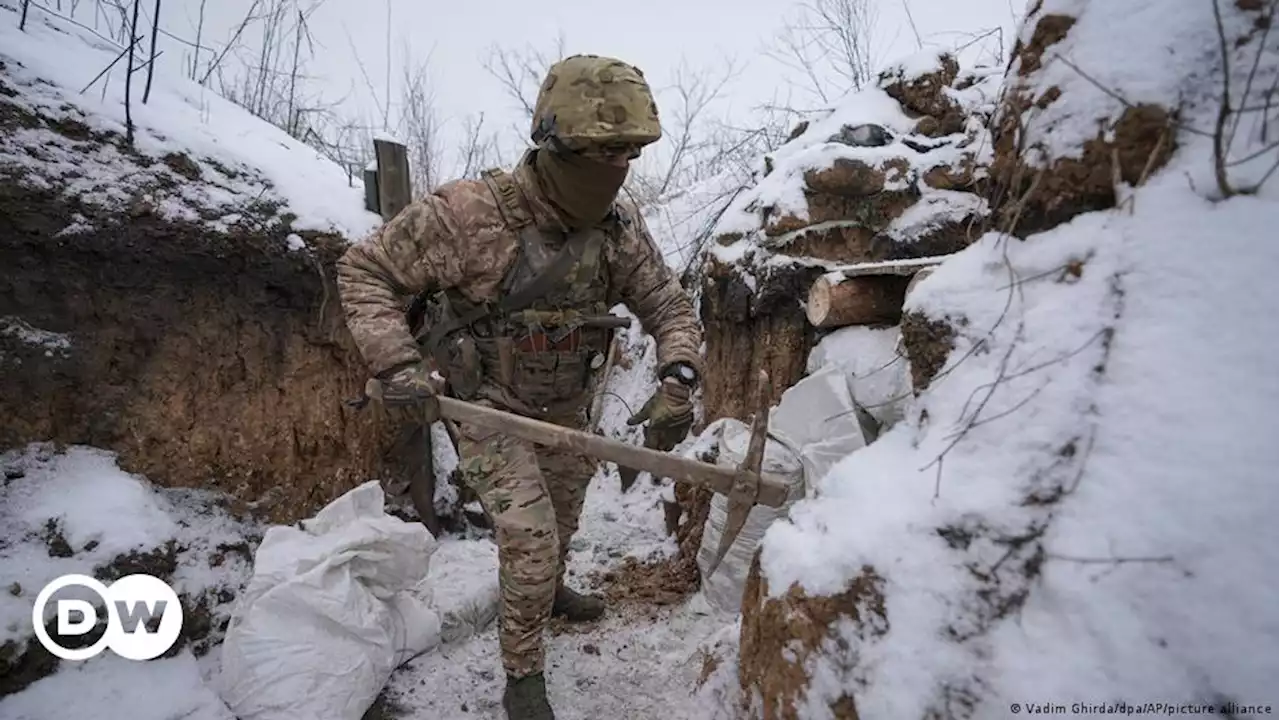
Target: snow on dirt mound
895	171
76	511
1079	505
195	156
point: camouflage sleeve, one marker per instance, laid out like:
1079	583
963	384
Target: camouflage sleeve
644	283
416	251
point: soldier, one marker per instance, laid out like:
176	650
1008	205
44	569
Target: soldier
521	270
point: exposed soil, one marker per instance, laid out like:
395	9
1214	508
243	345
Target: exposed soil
1031	194
1035	199
1050	30
923	94
928	343
752	331
779	635
204	359
672	580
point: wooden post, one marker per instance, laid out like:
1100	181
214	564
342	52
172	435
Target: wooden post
394	189
371	191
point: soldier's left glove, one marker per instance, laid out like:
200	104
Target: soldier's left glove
668	410
413	391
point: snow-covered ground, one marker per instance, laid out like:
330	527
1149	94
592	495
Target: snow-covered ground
639	662
182	132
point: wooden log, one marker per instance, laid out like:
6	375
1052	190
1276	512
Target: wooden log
863	300
394	188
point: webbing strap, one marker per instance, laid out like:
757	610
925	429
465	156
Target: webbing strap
521	298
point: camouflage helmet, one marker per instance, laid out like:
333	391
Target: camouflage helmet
591	100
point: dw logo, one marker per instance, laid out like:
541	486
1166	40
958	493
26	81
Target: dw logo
133	604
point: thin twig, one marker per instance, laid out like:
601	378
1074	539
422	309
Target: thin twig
1110	560
128	78
1120	98
1084	461
151	64
107	69
231	43
906	7
1253	72
1224	111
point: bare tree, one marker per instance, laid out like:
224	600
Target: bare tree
520	72
479	151
829	43
420	127
691	138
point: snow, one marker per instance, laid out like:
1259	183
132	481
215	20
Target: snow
1096	453
1143	53
934	209
639	662
28	334
1080	507
241	159
915	65
111	687
875	367
779	188
101	512
642	661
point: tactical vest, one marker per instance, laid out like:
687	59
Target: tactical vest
539	343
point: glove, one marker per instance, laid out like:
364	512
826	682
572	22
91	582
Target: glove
669	411
412	388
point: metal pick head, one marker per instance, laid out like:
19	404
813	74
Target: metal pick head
746	486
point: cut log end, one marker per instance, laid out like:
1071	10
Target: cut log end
863	300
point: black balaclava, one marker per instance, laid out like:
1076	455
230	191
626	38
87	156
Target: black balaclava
581	189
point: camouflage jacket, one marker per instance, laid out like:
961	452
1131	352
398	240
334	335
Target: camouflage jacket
455	239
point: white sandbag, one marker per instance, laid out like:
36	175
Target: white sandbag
462	586
813	427
723	590
329	612
874	368
818	417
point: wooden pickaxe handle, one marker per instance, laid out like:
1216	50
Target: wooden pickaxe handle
745	486
770	490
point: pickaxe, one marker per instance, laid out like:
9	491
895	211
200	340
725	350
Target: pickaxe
745	486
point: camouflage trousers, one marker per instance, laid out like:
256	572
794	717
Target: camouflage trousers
534	497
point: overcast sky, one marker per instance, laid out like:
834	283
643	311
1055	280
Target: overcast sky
656	35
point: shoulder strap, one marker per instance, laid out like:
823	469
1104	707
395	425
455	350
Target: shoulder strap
505	192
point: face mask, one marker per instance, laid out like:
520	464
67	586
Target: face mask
582	190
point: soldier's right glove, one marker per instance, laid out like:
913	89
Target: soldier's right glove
669	410
411	387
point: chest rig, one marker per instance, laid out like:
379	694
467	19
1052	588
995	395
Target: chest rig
538	343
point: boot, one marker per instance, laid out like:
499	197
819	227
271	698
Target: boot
526	699
576	607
